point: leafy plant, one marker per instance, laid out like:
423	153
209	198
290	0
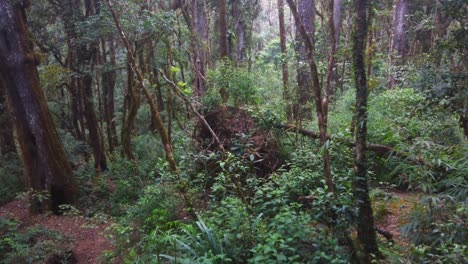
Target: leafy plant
33	245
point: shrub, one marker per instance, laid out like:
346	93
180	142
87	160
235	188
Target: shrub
236	81
11	173
34	245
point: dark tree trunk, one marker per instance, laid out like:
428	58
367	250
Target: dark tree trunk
306	11
95	135
108	85
223	43
284	62
75	100
365	222
46	167
7	139
464	123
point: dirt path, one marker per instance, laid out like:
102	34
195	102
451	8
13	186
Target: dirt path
88	238
398	207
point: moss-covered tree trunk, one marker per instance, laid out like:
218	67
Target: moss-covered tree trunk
46	167
132	98
365	222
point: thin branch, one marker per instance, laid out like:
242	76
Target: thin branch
186	100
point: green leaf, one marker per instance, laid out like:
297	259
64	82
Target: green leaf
175	69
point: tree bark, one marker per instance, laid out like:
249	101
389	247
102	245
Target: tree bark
240	11
132	97
223	43
108	85
195	18
305	10
331	81
284	62
7	139
399	41
46	167
365	223
337	7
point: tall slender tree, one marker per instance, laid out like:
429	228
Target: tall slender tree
306	12
46	167
195	17
320	103
284	62
365	221
108	80
399	42
223	41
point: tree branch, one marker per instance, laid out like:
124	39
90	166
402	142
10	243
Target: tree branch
378	149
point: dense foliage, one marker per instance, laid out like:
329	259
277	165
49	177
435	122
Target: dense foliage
217	206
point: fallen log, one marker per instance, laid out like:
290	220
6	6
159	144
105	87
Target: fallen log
378	149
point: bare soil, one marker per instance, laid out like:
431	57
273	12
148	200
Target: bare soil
399	206
89	240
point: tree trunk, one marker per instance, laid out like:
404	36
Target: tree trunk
95	135
306	14
284	62
75	99
317	91
238	20
331	81
195	17
365	222
223	43
399	41
7	139
108	85
46	167
337	7
337	21
132	97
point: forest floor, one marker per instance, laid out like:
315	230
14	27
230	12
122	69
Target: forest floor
88	238
394	212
